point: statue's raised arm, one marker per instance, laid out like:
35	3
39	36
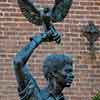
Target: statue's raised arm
27	85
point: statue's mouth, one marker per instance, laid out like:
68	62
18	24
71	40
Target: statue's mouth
68	83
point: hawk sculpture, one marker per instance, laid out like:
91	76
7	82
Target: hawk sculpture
47	15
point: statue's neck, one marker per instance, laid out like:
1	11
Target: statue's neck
53	91
54	88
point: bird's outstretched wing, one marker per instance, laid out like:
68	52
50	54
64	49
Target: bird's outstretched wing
31	13
60	10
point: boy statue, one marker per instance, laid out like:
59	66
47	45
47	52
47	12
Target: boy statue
57	70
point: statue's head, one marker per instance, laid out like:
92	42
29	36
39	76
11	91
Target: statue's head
59	67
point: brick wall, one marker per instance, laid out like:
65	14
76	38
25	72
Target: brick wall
15	32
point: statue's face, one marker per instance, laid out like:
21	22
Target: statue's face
65	76
68	74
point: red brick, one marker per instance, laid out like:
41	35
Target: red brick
15	31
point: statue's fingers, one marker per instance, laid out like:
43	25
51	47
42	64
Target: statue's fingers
49	32
58	40
56	34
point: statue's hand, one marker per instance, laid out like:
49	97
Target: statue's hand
49	36
52	35
56	35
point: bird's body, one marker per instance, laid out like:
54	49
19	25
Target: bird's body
47	16
34	15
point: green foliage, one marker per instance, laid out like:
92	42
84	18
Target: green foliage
97	96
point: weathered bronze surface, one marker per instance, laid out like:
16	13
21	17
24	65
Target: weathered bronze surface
47	15
36	15
57	68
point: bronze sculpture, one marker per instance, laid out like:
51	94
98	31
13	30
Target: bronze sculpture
57	68
47	15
